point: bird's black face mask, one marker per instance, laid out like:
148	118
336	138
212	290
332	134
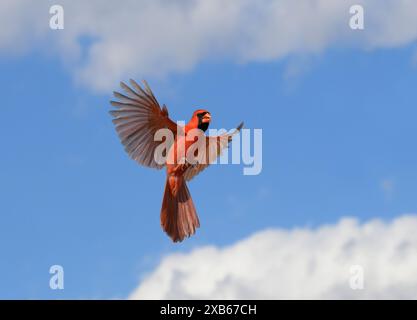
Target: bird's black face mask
202	125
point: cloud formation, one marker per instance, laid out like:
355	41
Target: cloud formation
296	264
105	40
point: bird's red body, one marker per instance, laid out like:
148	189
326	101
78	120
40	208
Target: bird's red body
137	118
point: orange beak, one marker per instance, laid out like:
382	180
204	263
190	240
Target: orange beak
206	118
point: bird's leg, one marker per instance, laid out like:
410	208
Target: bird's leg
175	183
193	165
182	167
175	175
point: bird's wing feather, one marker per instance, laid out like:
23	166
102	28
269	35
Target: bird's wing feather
213	149
137	117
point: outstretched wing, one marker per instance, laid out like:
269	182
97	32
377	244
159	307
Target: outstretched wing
214	147
137	118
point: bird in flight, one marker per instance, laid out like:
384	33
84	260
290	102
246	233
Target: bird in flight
138	117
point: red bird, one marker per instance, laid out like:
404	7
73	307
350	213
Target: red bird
137	118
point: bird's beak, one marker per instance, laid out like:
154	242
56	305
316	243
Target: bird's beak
206	118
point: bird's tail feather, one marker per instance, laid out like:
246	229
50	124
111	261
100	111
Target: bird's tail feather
178	215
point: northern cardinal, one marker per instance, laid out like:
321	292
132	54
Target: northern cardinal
137	118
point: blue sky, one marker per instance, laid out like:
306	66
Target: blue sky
338	140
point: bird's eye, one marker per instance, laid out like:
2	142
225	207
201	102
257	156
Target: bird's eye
200	115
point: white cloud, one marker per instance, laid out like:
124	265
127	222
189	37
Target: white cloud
298	263
156	38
